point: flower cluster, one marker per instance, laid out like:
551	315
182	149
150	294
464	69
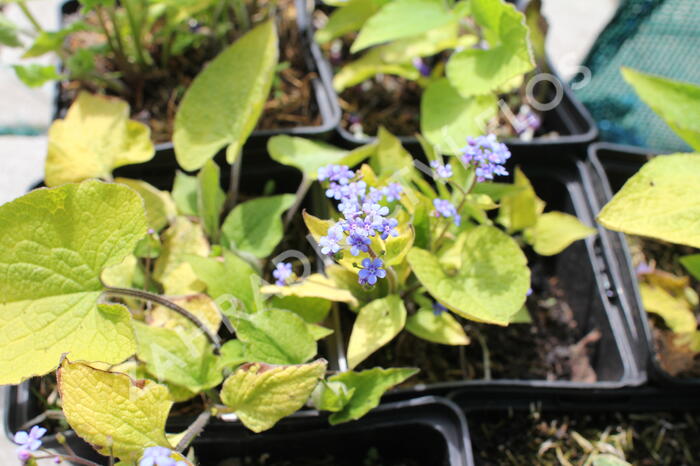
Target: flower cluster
440	171
444	208
160	456
364	217
28	442
283	273
487	155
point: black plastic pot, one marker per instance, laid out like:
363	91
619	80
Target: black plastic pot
428	431
583	276
569	118
509	408
611	166
324	95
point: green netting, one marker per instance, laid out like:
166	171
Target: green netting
654	36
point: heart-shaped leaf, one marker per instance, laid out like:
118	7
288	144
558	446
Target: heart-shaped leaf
224	102
376	325
95	138
55	243
113	412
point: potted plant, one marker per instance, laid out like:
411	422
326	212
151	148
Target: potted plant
447	70
658	258
149	53
422	264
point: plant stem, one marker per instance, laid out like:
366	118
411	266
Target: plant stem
28	14
147	296
234	183
300	194
112	13
486	354
392	278
241	14
70	458
135	32
194	430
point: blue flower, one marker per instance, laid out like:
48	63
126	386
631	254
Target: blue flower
487	155
334	191
374	210
444	208
330	244
358	243
160	456
388	228
355	190
441	171
338	173
28	442
438	308
527	120
283	271
421	66
370	271
392	192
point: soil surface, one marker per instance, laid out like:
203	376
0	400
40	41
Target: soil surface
552	347
154	96
393	101
676	359
523	438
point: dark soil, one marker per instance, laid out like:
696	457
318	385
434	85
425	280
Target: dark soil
678	360
393	101
154	96
552	347
523	438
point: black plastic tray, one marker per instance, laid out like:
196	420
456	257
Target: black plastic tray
324	95
585	278
432	431
611	165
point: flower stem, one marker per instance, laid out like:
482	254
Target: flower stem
28	14
300	194
147	296
135	29
234	184
241	14
194	430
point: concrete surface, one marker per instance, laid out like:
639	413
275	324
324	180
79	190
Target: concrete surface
574	26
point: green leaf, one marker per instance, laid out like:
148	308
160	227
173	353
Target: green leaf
45	42
660	201
370	64
275	336
397	247
261	394
185	193
8	33
232	354
181	240
314	286
309	155
54	244
399	19
199	305
520	209
121	275
691	263
484	71
255	226
223	103
441	328
179	356
231	276
368	387
160	208
376	324
312	310
210	198
391	159
555	231
676	312
95	138
35	75
348	18
491	284
427	44
113	412
446	116
318	332
522	317
331	396
677	102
